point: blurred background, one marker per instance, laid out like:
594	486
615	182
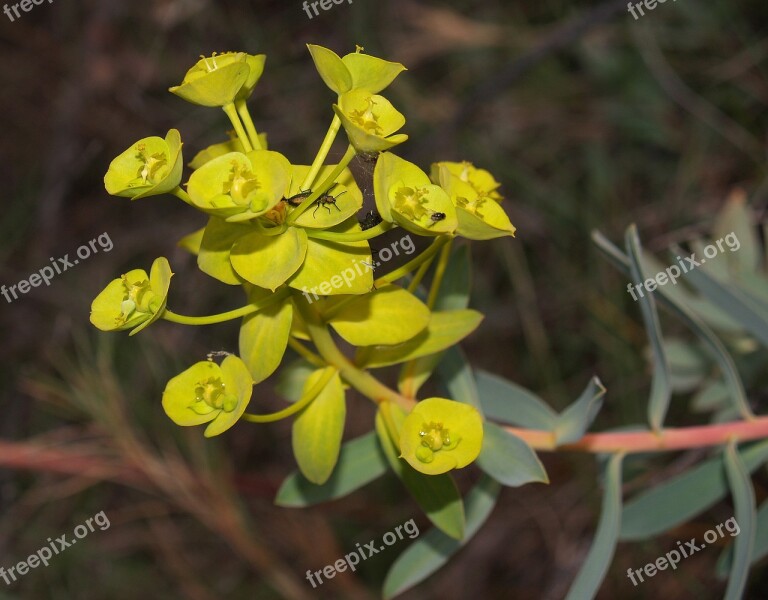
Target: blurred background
589	118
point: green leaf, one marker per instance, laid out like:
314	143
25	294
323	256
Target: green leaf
192	241
734	302
437	495
371	73
264	338
759	552
318	429
735	220
598	560
331	69
445	329
433	549
456	373
508	459
744	513
268	260
361	460
508	402
661	390
293	377
710	397
215	247
683	312
390	315
332	268
679	499
574	421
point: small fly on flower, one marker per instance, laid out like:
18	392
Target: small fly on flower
323	200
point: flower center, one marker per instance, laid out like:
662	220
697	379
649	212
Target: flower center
211	395
241	184
366	119
434	437
409	201
151	165
472	206
137	297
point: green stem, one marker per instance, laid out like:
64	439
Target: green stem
322	154
243	311
305	400
245	117
445	255
354	236
362	381
306	353
181	195
420	275
323	187
231	112
414	263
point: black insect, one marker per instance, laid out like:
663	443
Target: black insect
325	200
370	220
437	216
297	199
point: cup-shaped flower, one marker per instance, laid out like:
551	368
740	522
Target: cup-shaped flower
209	393
215	80
404	194
150	167
478	209
133	301
370	121
480	180
238	186
356	71
255	64
439	435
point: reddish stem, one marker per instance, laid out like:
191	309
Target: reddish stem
650	441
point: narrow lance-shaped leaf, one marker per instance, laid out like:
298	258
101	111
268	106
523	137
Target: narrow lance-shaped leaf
661	392
508	459
360	462
433	549
760	550
574	421
598	560
508	402
744	504
737	304
683	312
679	499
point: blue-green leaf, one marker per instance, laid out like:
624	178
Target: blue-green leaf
598	560
360	462
508	459
433	549
458	377
508	402
730	299
679	499
744	513
759	552
661	390
574	421
683	312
